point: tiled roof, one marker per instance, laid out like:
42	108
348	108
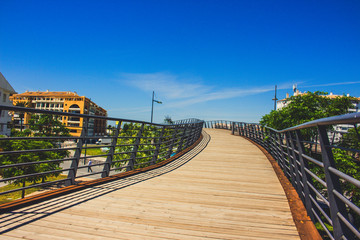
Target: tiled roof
48	93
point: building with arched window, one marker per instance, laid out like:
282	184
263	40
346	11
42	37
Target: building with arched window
64	102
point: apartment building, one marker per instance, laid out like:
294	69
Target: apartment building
6	90
65	102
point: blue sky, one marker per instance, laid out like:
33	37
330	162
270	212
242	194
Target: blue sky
203	59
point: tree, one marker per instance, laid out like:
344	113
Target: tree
168	120
305	108
40	126
47	125
21	114
351	140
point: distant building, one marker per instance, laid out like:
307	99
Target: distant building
6	90
65	102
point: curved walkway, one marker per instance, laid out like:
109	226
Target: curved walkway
227	191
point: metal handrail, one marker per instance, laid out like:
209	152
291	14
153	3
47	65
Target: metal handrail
312	169
143	144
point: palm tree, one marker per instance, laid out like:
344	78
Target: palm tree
21	114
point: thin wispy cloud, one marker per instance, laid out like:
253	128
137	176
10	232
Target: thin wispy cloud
333	84
182	92
168	85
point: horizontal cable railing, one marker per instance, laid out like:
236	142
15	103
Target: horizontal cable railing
322	164
45	149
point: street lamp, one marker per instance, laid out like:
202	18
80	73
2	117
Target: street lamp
152	106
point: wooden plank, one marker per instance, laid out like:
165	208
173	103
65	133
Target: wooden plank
228	191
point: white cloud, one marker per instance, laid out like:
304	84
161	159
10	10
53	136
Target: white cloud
165	84
181	92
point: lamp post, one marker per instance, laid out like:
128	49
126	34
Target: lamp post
152	106
275	98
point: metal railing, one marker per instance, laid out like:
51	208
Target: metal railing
325	172
34	153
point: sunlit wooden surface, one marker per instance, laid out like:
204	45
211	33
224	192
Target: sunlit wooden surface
227	191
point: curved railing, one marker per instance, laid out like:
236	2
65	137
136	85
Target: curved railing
43	153
322	164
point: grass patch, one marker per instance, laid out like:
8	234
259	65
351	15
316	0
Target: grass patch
93	151
16	195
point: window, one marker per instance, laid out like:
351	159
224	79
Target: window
4	97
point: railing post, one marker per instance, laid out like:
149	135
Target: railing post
274	146
75	162
158	144
254	127
332	183
296	169
257	134
180	146
291	160
191	136
248	130
198	131
305	176
132	160
173	139
232	128
252	131
110	157
188	135
283	161
262	134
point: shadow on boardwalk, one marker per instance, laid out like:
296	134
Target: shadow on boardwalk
17	218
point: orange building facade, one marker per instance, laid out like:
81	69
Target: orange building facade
65	102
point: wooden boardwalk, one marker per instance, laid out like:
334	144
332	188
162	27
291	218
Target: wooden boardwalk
227	191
